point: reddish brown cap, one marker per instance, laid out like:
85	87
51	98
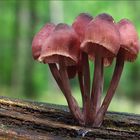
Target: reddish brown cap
101	33
80	24
105	16
39	39
129	39
63	43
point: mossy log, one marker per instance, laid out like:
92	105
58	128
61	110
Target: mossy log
20	119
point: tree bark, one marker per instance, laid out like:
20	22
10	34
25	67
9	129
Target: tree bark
21	119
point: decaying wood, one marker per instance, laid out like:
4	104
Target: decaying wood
40	121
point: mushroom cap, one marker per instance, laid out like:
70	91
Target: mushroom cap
39	39
80	24
106	17
102	34
129	39
63	44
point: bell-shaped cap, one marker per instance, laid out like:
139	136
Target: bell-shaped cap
80	24
62	44
129	39
102	34
39	39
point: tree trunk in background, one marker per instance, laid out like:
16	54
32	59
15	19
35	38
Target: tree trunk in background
56	11
29	65
22	46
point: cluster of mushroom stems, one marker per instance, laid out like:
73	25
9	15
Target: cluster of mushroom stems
68	49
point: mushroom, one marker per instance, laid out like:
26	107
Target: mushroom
79	25
39	39
67	49
101	43
128	52
62	48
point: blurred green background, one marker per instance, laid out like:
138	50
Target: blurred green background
22	77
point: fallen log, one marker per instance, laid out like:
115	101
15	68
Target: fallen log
22	119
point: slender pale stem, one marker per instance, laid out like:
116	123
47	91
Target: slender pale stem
86	74
97	84
73	105
111	91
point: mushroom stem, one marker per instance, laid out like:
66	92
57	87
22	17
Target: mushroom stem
86	74
80	79
97	85
73	105
111	91
56	75
70	99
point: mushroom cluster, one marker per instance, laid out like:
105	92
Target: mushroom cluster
68	49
